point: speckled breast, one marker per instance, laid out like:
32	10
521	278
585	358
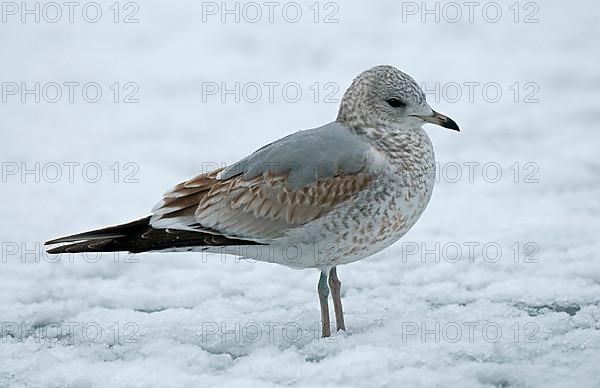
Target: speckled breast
386	210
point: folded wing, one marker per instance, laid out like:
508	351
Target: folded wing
282	186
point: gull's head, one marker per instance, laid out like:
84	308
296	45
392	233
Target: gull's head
384	95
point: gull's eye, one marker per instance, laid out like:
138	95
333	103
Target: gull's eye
395	103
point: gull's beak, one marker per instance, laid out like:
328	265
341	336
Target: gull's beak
441	120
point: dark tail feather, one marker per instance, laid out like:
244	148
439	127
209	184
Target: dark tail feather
104	233
138	236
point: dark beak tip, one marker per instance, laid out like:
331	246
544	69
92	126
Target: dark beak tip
451	124
443	121
447	122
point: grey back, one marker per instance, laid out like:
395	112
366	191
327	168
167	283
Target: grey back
305	156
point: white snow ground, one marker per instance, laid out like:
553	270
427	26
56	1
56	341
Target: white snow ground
465	320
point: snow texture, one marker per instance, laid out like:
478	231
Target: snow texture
497	285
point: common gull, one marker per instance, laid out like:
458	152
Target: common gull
317	198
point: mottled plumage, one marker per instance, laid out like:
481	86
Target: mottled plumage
314	199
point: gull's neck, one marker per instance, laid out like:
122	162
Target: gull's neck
403	146
384	133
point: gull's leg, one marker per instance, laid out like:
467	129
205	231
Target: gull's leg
323	291
336	285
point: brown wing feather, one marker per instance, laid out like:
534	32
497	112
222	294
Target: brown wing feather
260	208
